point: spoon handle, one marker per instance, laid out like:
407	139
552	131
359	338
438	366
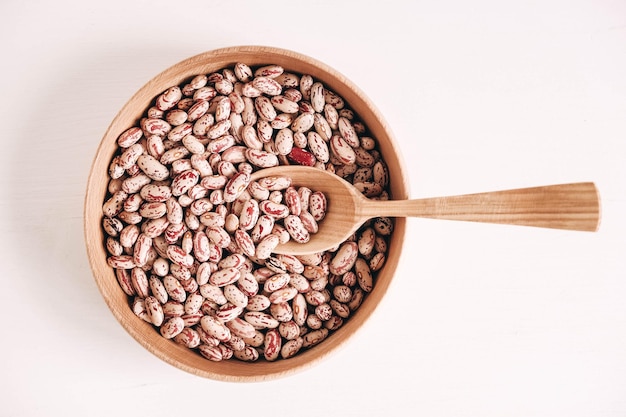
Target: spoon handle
574	206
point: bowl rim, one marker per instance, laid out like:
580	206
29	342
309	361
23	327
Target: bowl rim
167	350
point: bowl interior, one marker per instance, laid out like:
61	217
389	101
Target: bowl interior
130	114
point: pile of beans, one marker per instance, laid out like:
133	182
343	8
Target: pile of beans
191	237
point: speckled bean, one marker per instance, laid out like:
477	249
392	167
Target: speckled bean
154	310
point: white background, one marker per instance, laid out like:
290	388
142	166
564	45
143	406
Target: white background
481	320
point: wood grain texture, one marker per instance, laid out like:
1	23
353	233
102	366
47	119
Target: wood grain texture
132	111
573	206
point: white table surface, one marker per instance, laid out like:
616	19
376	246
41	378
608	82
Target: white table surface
481	320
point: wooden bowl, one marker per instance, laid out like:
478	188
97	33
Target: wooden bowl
130	114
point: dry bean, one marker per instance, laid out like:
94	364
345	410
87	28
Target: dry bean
154	310
121	262
125	281
158	289
282	121
114	205
344	259
322	127
233	155
272	71
248	284
234	260
369	189
243	72
292	263
190	285
314	337
318	147
260	320
184	181
313	322
248	354
139	308
223	277
315	298
335	100
280	231
193	303
287	79
357	299
212	353
267	85
249	214
273	344
303	122
276	282
285	105
133	184
342	293
383	226
246	244
377	261
333	323
235	343
250	138
129	137
173	309
215	328
235	296
273	209
309	222
266	246
264	108
236	186
283	295
342	150
289	329
188	337
299	308
213	293
224	86
139	282
129	235
317	97
262	227
114	247
168	98
155	227
192	319
180	131
258	302
241	328
291	348
281	311
324	311
296	229
133	202
228	312
174	288
261	158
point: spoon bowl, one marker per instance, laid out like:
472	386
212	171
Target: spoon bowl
573	206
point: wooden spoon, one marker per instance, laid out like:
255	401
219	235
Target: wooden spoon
572	206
